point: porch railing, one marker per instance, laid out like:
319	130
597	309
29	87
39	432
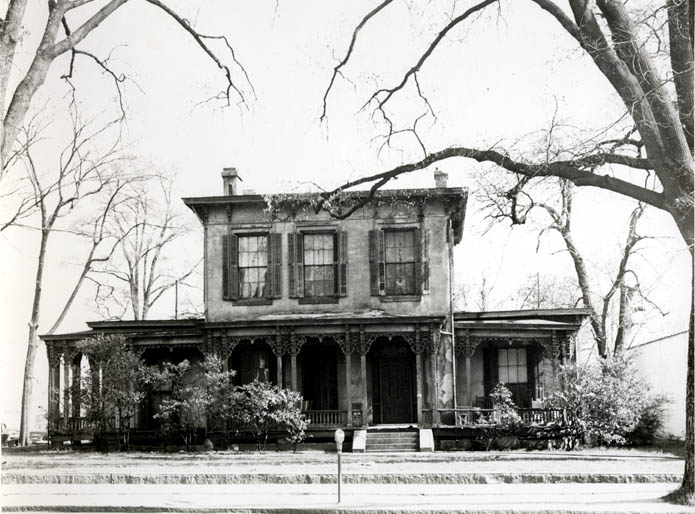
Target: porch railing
473	416
327	418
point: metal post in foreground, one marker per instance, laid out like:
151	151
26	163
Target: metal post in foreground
339	437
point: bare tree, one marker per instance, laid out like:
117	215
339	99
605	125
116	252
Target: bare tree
658	99
138	275
48	199
60	38
517	204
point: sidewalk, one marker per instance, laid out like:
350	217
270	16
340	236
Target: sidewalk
439	467
419	498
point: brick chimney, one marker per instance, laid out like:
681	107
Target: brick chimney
440	178
230	181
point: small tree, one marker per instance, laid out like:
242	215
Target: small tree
183	411
113	386
265	407
218	391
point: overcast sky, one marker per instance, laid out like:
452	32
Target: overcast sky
499	79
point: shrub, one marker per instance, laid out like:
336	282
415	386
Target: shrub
608	401
266	407
505	413
651	420
113	385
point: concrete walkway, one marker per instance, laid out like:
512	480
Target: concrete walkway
362	498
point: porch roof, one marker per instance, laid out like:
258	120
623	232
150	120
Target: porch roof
527	323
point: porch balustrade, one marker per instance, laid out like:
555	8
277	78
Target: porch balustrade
327	418
473	416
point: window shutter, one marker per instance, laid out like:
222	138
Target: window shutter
291	248
233	267
417	242
341	246
273	279
299	265
377	270
426	261
276	246
225	267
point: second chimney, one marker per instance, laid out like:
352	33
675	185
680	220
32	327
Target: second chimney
440	178
230	181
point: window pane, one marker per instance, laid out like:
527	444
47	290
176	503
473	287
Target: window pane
521	374
502	357
521	356
503	376
513	376
252	260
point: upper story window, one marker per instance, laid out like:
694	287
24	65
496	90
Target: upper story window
399	262
320	257
253	265
317	264
398	266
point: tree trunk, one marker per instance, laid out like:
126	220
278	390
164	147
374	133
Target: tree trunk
33	343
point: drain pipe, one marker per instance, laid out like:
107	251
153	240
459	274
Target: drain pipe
450	234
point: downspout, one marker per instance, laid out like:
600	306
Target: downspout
451	311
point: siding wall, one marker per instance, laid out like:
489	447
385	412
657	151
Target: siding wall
251	216
663	363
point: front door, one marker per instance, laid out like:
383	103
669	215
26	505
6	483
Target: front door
394	376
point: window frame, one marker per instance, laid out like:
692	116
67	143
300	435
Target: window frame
240	236
231	285
377	262
331	265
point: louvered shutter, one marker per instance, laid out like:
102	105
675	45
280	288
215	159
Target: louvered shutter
376	263
425	261
233	267
417	249
276	249
291	248
341	242
225	267
299	265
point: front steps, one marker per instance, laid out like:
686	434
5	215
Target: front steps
392	441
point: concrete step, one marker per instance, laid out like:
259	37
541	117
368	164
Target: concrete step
383	441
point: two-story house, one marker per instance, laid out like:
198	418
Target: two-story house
355	313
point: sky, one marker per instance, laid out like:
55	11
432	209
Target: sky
497	80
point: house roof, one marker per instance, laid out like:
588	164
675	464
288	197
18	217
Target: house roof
457	195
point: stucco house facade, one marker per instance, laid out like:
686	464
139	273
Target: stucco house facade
356	314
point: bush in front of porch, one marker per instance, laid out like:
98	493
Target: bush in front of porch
610	403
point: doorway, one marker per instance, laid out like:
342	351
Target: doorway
393	380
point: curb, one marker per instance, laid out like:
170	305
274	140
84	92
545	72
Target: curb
348	478
318	510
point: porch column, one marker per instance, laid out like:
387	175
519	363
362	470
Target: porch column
76	388
417	346
53	385
418	381
276	345
469	346
296	343
347	348
434	346
66	386
364	348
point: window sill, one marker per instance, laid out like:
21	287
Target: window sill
401	298
314	301
252	302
